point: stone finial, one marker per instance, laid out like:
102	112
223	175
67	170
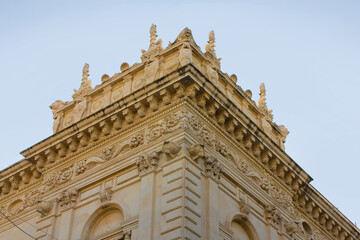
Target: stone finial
211	46
154	49
262	103
85	74
153	35
262	100
85	87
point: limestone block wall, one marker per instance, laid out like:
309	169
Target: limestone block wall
176	177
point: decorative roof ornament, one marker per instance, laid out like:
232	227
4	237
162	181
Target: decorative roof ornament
262	103
155	46
85	87
85	74
153	35
210	52
185	36
210	47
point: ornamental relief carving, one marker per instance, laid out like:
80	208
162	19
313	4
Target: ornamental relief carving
149	162
186	120
301	228
68	198
167	125
265	184
273	216
58	178
211	165
213	168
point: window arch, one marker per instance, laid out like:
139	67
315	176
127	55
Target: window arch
240	231
105	224
241	227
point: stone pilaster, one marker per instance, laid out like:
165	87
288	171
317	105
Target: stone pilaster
146	166
180	201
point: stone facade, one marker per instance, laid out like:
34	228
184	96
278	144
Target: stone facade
170	148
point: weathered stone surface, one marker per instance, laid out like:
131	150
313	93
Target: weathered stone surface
169	148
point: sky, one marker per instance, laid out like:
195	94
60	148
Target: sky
306	52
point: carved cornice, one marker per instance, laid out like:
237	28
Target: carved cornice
199	86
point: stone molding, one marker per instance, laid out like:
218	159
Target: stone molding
193	82
185	120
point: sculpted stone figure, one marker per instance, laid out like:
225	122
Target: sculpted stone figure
151	68
169	148
262	103
149	57
79	95
79	109
211	46
185	55
57	115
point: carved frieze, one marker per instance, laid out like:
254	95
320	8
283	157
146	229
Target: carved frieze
264	183
65	114
167	125
54	179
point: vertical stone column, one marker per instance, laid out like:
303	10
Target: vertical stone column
46	222
273	222
67	202
212	172
66	222
210	168
212	208
146	206
180	201
146	165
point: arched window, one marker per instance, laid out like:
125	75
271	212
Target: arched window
240	231
105	224
241	228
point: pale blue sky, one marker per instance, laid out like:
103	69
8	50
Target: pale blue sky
306	52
